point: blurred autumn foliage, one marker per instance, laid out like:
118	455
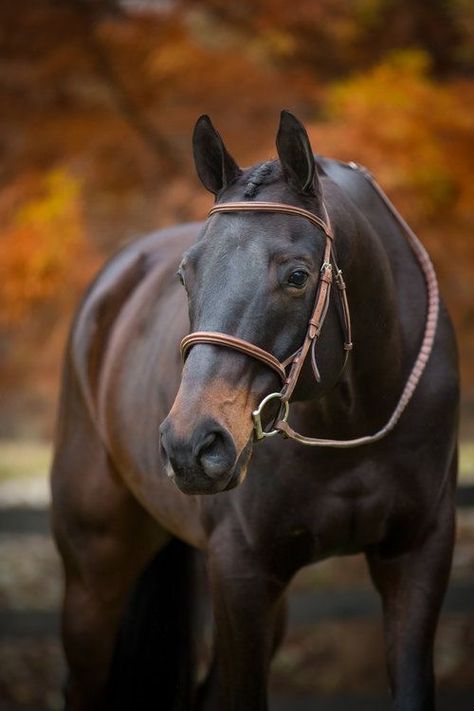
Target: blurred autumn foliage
98	100
41	243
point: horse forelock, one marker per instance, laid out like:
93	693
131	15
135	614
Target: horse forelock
262	174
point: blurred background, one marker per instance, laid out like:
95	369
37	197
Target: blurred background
98	99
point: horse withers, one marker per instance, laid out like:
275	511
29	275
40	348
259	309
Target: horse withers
301	284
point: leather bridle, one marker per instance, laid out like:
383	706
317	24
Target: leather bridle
329	273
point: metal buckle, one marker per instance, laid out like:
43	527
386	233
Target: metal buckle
260	433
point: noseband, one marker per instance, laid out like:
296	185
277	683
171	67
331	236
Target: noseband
329	272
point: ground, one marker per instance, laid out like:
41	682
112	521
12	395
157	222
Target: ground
333	650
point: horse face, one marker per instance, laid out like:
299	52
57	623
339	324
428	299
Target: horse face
253	276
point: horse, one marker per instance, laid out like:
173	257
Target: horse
301	291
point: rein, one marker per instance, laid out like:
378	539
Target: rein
329	274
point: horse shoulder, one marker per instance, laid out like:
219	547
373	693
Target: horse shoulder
105	300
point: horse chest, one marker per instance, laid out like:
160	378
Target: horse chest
346	523
300	525
306	509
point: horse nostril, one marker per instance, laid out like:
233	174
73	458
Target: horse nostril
216	453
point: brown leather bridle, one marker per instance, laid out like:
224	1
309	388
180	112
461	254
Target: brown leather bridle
329	272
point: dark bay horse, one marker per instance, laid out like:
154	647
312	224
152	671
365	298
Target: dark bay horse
136	514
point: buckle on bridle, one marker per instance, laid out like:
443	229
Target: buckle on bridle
260	433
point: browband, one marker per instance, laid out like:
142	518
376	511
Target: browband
273	207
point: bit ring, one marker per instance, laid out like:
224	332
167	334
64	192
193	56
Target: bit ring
260	433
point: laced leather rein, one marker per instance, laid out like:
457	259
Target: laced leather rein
329	274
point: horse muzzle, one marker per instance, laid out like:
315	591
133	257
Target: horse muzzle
205	462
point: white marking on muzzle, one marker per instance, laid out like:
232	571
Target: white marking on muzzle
170	473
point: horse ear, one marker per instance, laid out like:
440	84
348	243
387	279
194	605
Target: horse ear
296	155
214	165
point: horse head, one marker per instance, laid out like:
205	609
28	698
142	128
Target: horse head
253	276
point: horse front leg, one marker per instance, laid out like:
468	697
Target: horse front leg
98	582
105	539
412	587
250	613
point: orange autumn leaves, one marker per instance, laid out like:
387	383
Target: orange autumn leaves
44	251
418	134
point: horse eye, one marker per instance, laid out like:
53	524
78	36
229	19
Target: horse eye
298	278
